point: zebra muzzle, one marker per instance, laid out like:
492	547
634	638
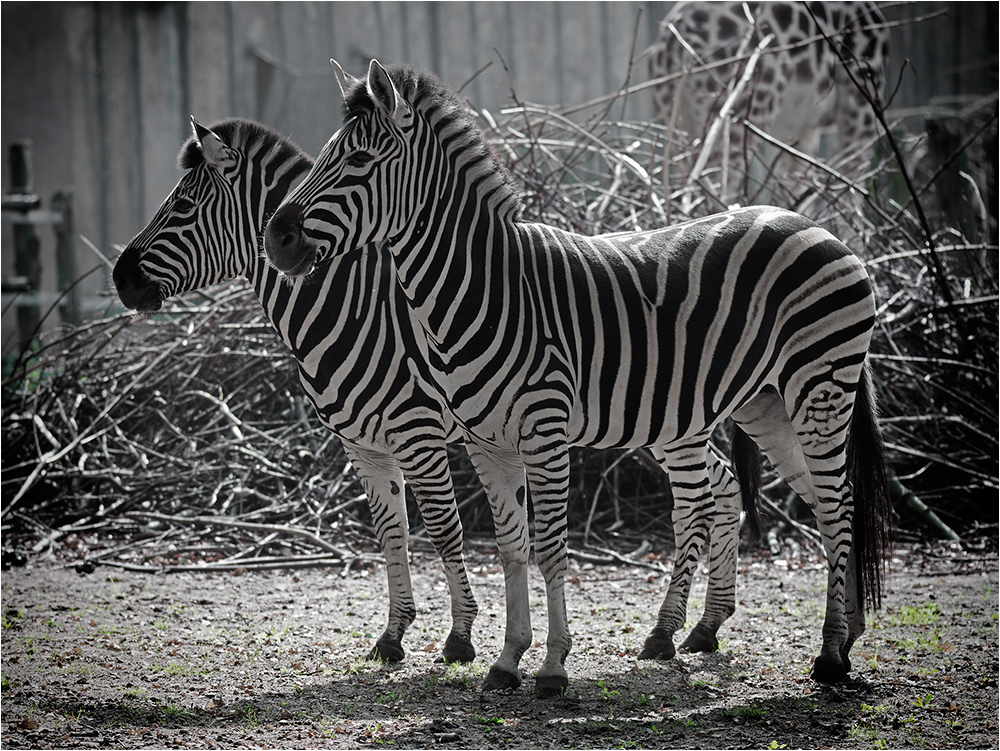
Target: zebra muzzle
286	245
134	288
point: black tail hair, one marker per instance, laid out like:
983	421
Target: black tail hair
866	472
746	461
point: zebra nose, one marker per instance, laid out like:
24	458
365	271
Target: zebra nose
134	289
284	242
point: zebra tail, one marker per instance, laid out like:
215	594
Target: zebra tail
866	472
746	461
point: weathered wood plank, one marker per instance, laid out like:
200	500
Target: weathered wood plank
163	125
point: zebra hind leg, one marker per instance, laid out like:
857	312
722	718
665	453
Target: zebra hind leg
808	453
694	508
429	477
870	524
382	481
720	600
821	426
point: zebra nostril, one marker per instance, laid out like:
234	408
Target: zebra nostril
291	239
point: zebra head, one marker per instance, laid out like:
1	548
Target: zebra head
351	197
407	143
207	229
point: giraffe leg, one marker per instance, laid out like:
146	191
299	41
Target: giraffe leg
430	479
694	507
382	481
502	476
720	599
548	482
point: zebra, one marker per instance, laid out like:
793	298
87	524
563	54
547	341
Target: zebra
350	321
542	339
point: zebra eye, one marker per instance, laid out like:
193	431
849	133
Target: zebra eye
359	158
183	205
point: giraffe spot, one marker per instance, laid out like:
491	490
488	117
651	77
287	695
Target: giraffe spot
782	15
804	71
728	28
806	23
700	17
869	51
767	76
796	51
819	10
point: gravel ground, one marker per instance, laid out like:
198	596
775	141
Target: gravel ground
114	659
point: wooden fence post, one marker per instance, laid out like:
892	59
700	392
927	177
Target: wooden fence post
24	208
27	261
62	223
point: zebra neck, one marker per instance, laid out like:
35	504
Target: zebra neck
266	187
459	269
276	295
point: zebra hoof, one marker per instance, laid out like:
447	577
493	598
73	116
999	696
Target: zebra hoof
386	650
498	679
550	686
700	640
826	670
658	647
458	649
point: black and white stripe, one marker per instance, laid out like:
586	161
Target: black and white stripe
542	339
350	331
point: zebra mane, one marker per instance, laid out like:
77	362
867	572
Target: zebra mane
242	135
449	114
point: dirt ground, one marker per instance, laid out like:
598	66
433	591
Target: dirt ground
112	659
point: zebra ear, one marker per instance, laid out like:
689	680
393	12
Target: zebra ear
383	92
345	81
217	154
200	131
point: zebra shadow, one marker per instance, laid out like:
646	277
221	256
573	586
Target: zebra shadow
425	703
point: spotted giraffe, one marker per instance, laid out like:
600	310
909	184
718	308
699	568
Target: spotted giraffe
796	91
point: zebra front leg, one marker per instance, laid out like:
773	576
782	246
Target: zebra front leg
427	472
720	599
502	476
692	514
548	482
382	481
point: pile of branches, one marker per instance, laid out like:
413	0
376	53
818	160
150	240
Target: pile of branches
185	436
185	439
